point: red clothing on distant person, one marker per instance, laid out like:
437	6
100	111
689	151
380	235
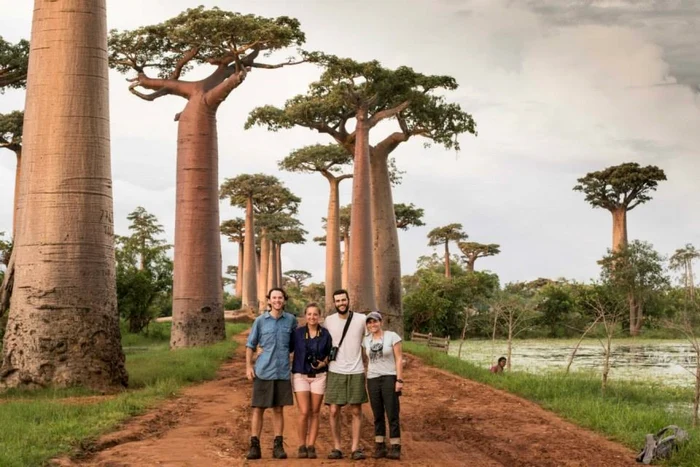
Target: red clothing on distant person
496	369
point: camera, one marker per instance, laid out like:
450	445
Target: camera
313	361
333	354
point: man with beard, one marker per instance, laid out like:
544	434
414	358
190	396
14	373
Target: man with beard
346	374
272	387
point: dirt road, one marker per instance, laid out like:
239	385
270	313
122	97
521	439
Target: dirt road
446	421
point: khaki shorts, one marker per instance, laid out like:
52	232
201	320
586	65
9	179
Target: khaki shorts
345	389
315	385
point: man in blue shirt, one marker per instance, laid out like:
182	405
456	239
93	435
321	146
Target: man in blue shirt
272	331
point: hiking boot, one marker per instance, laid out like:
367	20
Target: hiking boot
379	450
303	452
278	448
311	451
336	454
358	455
254	452
394	452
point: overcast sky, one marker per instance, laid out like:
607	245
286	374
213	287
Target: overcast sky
557	88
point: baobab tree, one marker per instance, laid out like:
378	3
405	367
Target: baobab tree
408	215
230	43
370	94
286	235
11	139
620	189
444	235
473	251
234	231
63	325
14	59
328	160
298	276
682	260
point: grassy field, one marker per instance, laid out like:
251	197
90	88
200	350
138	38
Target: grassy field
626	413
39	425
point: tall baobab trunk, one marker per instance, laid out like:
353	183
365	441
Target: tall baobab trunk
239	274
619	229
264	265
385	251
250	288
333	274
346	261
448	273
361	272
63	325
470	263
272	271
278	262
198	313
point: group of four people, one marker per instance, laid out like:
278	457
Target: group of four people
328	363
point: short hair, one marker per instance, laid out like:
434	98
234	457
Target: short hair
278	289
312	305
502	359
341	292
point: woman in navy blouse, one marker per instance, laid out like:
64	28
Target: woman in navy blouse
312	345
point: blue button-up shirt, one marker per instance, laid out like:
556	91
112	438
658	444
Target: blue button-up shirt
275	338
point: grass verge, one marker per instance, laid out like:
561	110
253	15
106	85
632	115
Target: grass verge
39	425
627	412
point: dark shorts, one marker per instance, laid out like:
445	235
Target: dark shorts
272	393
345	389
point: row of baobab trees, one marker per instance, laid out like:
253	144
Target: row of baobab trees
63	323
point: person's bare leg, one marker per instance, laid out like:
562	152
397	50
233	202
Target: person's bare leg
316	401
303	401
356	410
278	420
256	421
335	425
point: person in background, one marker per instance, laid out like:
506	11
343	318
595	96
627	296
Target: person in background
312	344
498	367
384	384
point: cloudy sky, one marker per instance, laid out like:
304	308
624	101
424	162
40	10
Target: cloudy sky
558	88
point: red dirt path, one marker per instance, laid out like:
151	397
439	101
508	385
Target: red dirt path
446	421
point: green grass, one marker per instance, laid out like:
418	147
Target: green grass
627	412
37	425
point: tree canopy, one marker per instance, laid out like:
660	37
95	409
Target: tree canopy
445	234
234	229
267	192
327	159
14	60
11	127
408	215
623	186
298	275
478	250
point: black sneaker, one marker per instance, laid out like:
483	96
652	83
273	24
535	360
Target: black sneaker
336	454
358	455
278	448
254	452
394	452
311	452
303	452
379	450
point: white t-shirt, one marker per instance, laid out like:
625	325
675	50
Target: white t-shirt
349	359
380	353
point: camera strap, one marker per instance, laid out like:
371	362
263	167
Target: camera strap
345	329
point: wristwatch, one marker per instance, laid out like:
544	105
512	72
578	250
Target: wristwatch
399	380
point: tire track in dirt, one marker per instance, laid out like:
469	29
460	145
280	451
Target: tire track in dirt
446	421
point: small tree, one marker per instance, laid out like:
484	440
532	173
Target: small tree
516	315
408	215
298	276
473	251
445	235
683	259
14	60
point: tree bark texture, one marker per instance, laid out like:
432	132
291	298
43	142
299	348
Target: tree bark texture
361	271
63	325
333	275
346	262
471	260
272	269
619	229
385	249
278	264
264	265
198	313
250	286
239	274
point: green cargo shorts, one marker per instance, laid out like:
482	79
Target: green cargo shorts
345	389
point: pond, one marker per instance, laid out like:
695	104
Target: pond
670	362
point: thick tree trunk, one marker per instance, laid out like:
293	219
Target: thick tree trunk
198	316
619	229
278	260
333	274
63	325
346	262
250	287
272	271
264	265
361	272
385	248
470	263
239	274
18	173
448	273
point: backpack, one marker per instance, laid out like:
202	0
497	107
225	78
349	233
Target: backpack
657	448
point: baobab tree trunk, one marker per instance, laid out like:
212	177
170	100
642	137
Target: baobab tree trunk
198	316
272	271
250	288
63	325
264	265
361	271
385	249
470	263
239	274
333	274
448	273
619	229
278	261
346	262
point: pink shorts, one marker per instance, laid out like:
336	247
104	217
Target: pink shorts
302	383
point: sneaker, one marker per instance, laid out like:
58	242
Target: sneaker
311	452
379	450
303	452
336	454
358	455
278	448
394	452
254	452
